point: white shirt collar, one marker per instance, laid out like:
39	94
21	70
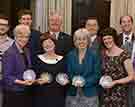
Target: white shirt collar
129	37
93	38
5	44
49	61
19	48
56	33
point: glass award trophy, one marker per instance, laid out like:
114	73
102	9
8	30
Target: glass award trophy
46	77
105	81
29	74
62	78
79	82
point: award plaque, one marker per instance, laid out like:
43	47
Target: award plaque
29	74
78	81
46	77
61	78
105	81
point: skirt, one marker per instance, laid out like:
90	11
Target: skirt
73	101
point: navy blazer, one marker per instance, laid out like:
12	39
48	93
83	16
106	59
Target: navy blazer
13	68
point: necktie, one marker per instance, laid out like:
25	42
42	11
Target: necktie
54	36
1	53
126	39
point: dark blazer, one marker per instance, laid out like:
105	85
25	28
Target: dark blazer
64	43
34	42
96	46
128	46
13	68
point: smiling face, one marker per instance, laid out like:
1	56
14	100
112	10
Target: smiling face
3	27
48	45
108	41
55	23
92	26
81	42
22	33
26	19
126	24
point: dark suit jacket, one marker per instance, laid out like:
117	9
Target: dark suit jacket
128	46
13	68
96	46
120	39
34	42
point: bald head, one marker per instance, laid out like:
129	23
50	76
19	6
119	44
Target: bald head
55	22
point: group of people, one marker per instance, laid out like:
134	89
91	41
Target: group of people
67	68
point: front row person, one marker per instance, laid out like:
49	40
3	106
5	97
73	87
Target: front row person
50	91
117	65
14	65
84	72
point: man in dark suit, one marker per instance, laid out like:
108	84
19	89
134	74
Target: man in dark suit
14	65
126	37
92	26
127	41
64	41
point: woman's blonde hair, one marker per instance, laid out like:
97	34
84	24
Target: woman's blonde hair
82	32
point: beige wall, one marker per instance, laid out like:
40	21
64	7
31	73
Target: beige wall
42	8
120	8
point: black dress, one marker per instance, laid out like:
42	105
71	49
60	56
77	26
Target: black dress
50	94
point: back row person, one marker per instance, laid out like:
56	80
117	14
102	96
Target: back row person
64	41
25	17
92	26
127	41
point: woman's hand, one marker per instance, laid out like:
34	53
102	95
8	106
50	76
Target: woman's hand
65	82
42	81
112	84
24	82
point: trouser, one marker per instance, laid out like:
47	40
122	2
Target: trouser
131	98
1	97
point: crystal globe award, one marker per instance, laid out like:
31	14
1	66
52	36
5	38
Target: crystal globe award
62	78
29	74
78	81
105	81
46	77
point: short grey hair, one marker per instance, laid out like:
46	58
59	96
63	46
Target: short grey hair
82	32
19	27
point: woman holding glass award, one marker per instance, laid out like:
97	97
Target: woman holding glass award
14	66
51	76
117	71
84	72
